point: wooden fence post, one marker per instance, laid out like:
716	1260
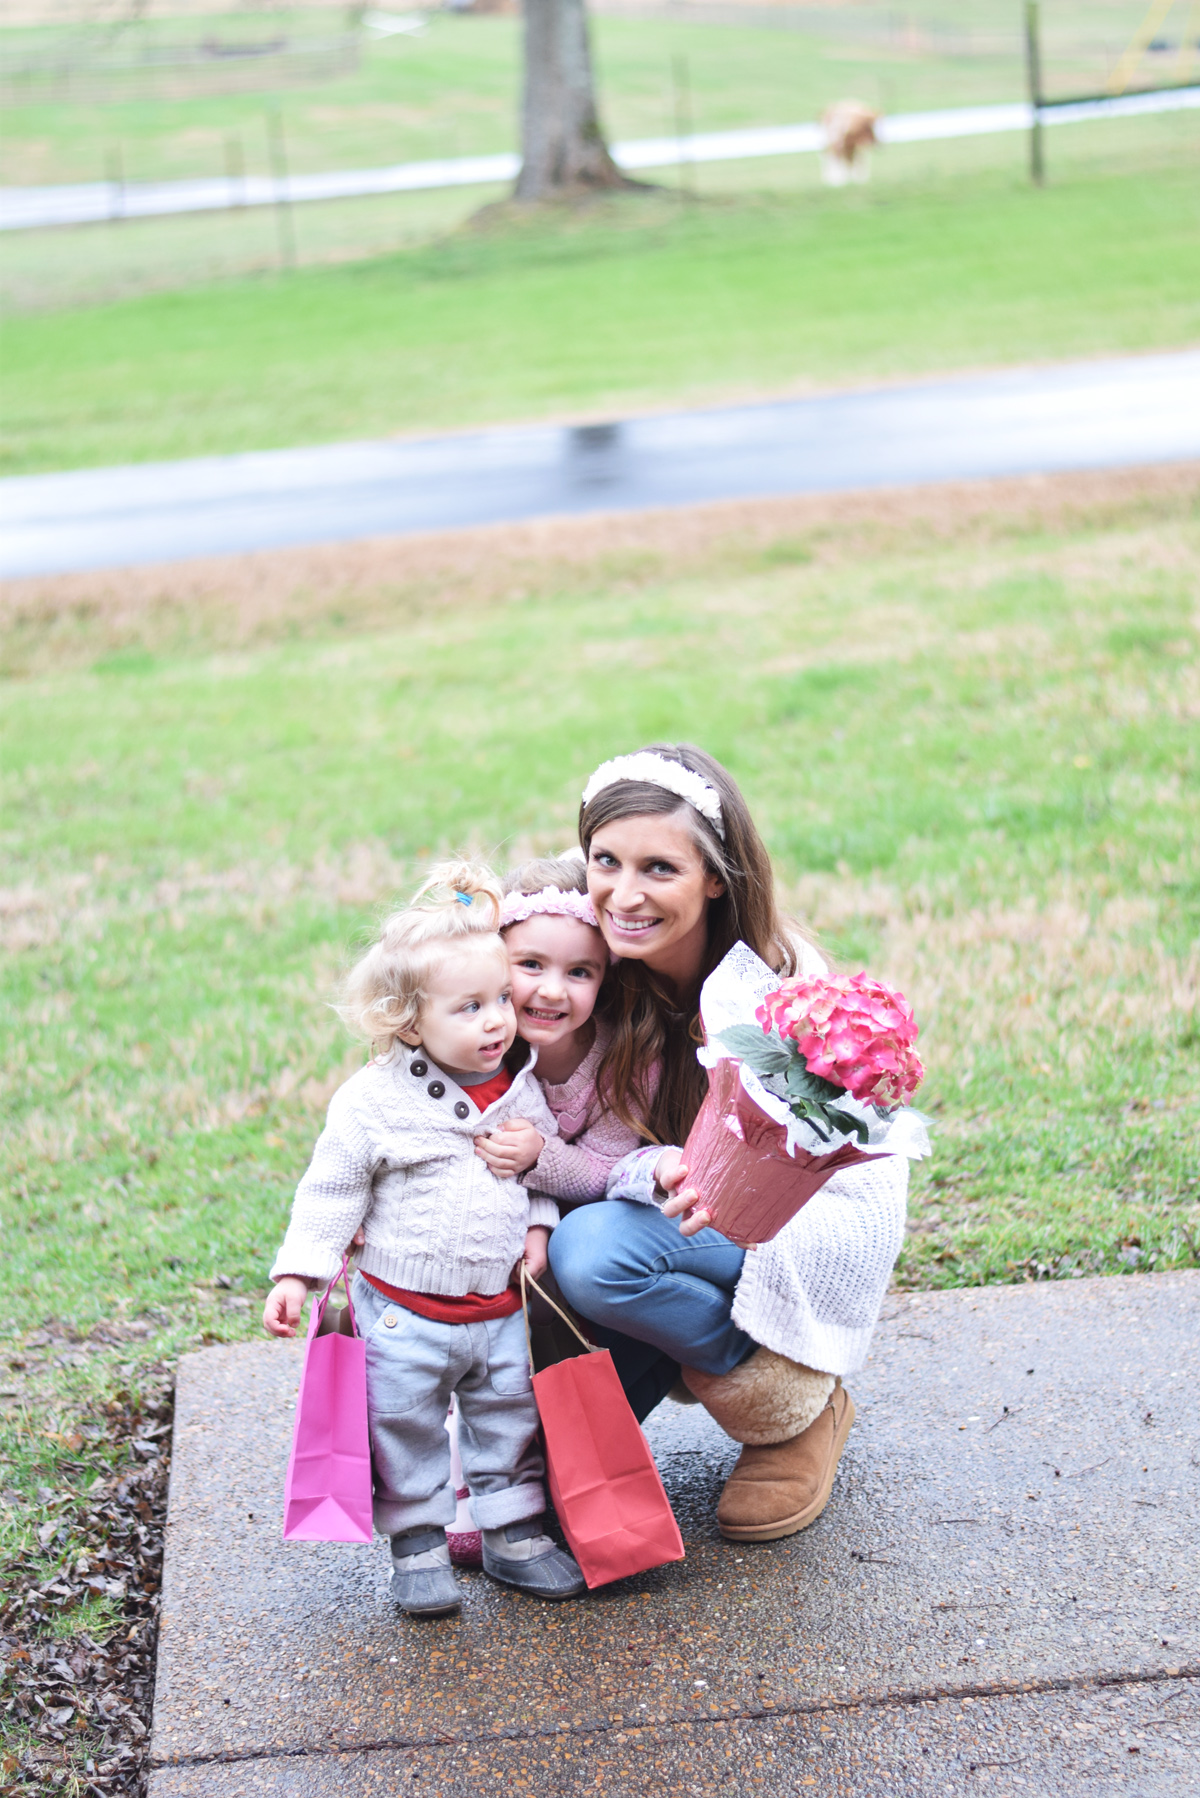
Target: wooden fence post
283	198
681	83
116	182
235	170
1033	65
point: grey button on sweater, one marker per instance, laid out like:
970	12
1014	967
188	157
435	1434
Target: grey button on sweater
398	1160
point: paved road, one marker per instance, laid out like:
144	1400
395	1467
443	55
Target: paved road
1001	1600
1078	416
96	202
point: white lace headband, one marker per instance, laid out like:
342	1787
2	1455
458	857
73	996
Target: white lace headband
551	902
660	772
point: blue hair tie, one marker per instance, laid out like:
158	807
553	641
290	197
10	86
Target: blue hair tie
463	898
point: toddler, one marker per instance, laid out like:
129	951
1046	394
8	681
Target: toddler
558	961
442	1232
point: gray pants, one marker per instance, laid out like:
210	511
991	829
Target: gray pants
413	1366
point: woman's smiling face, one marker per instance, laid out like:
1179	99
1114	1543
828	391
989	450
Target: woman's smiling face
651	889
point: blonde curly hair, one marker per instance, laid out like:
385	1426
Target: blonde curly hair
386	990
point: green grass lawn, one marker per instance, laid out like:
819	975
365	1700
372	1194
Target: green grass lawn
975	758
639	304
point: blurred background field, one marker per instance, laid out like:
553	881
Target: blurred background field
449	87
760	280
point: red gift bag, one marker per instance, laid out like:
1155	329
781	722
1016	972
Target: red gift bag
607	1492
327	1496
737	1160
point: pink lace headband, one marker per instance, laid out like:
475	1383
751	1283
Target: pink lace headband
552	901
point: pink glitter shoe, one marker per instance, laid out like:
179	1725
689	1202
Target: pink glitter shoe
465	1541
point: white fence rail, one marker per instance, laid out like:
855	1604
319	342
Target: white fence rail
99	202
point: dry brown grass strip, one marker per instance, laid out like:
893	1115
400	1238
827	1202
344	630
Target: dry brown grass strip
237	602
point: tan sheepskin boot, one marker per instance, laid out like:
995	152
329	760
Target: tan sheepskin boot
766	1399
794	1422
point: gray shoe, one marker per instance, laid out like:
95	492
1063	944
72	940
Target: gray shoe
422	1583
521	1556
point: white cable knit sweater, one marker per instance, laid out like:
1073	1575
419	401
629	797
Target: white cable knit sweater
397	1155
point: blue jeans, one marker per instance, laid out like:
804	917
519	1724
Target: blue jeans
658	1300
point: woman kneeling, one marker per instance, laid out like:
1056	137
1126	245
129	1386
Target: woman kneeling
678	874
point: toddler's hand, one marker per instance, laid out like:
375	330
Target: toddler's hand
285	1302
535	1258
670	1173
512	1149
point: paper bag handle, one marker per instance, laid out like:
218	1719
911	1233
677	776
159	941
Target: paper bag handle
527	1278
318	1310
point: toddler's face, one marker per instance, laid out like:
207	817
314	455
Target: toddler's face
557	967
467	1021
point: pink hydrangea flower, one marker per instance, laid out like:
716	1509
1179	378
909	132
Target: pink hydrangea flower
852	1030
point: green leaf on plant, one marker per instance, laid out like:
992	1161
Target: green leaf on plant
848	1124
813	1115
765	1054
809	1097
803	1085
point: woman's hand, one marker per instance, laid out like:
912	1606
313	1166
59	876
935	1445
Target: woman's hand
512	1149
536	1258
285	1302
670	1174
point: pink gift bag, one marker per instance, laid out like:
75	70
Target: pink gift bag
327	1494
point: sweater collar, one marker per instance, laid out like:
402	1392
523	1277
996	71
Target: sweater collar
454	1093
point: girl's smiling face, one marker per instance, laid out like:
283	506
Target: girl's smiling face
558	964
651	888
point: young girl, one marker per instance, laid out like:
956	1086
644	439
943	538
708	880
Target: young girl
442	1233
558	960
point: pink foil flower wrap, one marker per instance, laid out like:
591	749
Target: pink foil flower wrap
738	1162
851	1030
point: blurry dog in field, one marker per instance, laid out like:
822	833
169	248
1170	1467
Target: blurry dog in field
849	138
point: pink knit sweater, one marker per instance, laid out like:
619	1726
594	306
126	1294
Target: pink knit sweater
574	1165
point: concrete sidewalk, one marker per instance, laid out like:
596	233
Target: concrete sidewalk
1001	1597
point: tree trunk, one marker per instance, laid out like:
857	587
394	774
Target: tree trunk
563	150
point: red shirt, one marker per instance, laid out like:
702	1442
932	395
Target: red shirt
472	1307
488	1090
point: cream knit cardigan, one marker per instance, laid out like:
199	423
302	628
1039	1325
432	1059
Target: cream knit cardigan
814	1292
399	1157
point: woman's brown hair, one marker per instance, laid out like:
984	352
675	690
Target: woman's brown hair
650	1024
